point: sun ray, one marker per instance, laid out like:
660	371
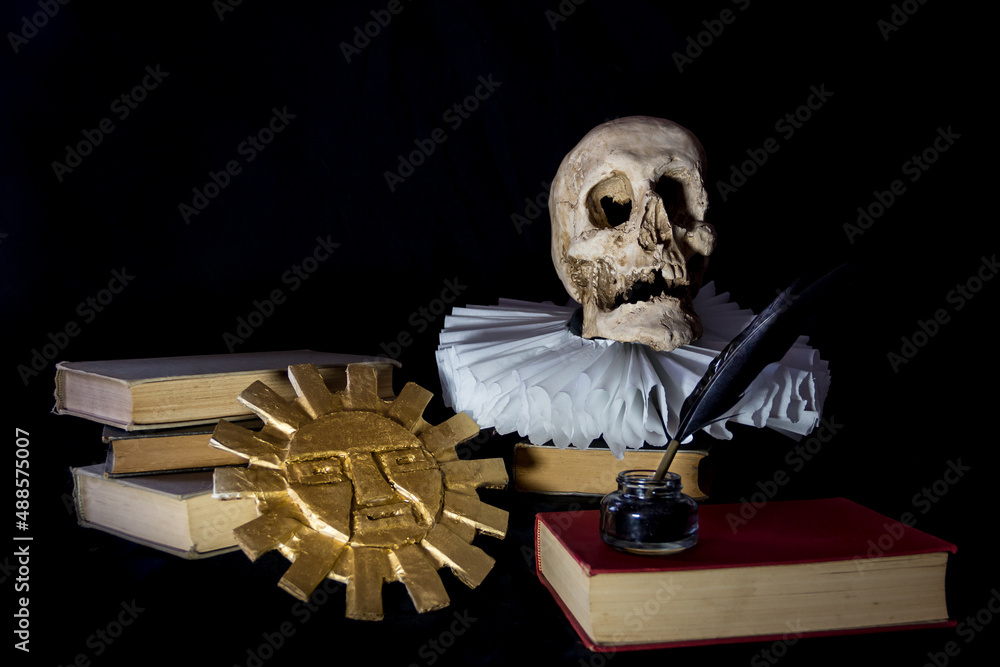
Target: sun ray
362	390
468	563
441	440
314	396
367	569
316	555
466	531
361	490
244	442
408	408
466	476
420	577
271	407
469	509
234	483
265	533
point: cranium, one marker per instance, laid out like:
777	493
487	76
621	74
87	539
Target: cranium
629	237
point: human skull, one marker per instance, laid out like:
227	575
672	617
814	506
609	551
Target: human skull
629	237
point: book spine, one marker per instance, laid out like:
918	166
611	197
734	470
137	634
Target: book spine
60	391
538	546
109	462
78	498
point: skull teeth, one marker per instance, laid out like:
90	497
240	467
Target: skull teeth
653	285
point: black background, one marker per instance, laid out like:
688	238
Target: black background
449	233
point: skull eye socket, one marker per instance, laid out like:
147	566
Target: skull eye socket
614	212
610	202
674	201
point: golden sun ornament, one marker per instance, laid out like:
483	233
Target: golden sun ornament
361	490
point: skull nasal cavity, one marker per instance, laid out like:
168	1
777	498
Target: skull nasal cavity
672	194
616	213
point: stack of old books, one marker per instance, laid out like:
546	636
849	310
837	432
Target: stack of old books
155	486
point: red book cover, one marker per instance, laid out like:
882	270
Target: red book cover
737	536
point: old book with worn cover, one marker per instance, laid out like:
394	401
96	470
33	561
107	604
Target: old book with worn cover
173	513
165	392
592	471
799	568
158	451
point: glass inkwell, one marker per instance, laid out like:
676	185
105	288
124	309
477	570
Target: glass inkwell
649	515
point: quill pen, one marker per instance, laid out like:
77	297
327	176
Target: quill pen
765	340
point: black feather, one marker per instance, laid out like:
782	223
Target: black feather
765	340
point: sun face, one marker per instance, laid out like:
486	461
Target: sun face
361	490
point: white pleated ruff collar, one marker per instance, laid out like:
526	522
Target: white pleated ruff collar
517	367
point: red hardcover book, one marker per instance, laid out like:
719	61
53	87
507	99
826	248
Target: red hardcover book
789	569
